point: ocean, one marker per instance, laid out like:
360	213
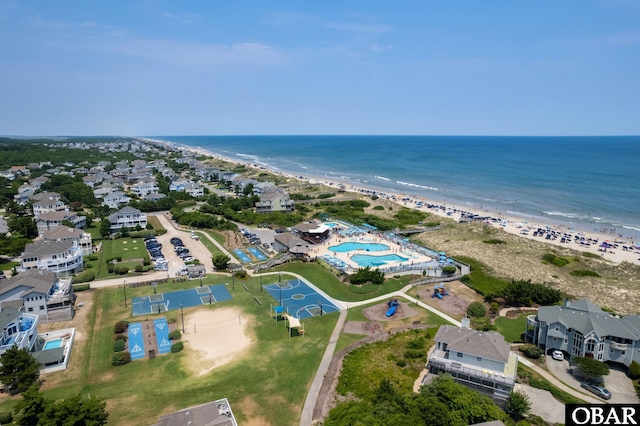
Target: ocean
589	183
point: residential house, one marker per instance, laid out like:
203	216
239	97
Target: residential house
46	202
104	189
580	328
76	236
274	200
18	328
480	360
155	196
92	180
25	193
144	187
115	199
39	292
63	257
127	217
48	221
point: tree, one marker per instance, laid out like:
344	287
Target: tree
105	227
476	310
591	367
25	226
19	370
30	408
518	404
220	261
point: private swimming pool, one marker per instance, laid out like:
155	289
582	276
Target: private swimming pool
351	246
52	344
371	260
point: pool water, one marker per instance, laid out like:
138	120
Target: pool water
52	344
370	260
346	247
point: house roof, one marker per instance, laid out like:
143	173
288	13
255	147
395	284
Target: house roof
45	248
585	317
289	240
46	196
62	233
312	228
216	413
8	314
485	344
57	216
33	280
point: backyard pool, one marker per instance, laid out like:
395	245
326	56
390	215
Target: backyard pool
52	344
353	246
370	260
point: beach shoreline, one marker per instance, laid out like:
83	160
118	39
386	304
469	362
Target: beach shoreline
510	222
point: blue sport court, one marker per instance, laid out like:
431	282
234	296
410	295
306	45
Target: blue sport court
242	256
299	299
162	302
136	344
162	335
257	254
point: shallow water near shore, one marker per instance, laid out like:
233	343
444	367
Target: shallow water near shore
589	183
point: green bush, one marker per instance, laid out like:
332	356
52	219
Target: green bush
84	277
120	337
121	358
634	370
241	274
401	363
555	260
121	326
175	335
122	271
378	208
81	287
415	344
177	347
139	268
6	418
531	351
413	353
495	307
118	345
476	310
494	241
584	273
489	327
110	267
366	274
449	270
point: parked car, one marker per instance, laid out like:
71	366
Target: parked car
557	355
265	245
597	390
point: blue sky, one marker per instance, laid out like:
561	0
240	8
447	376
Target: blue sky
430	67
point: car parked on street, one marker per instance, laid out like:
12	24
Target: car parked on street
596	389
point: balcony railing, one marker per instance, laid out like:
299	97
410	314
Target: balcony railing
618	346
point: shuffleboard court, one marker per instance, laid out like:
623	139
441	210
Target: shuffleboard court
299	299
169	301
162	335
136	341
242	256
257	254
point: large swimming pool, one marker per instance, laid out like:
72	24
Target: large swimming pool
346	247
371	260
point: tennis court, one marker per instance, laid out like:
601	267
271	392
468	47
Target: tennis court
300	300
162	302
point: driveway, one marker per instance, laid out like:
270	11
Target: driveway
621	387
543	404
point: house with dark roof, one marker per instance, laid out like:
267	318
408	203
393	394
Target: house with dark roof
75	236
289	243
580	328
63	257
127	217
480	360
274	200
216	413
39	292
51	220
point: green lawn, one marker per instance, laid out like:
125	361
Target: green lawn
125	248
213	249
512	329
261	383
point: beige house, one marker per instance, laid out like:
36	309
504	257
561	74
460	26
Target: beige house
66	234
274	200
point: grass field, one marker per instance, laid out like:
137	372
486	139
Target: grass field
126	248
207	243
261	383
512	328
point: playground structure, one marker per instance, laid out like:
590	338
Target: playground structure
393	307
439	291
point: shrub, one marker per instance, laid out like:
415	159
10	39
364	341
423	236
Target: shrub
449	270
240	274
6	418
175	335
494	241
495	307
122	271
366	274
81	287
84	277
476	310
634	370
489	327
118	345
378	208
584	273
555	260
120	337
415	344
121	358
177	347
401	363
531	351
413	353
139	268
110	267
121	326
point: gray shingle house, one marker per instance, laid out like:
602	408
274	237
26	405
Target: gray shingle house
580	328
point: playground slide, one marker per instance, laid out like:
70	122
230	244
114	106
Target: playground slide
439	295
392	310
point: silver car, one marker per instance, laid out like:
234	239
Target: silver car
598	390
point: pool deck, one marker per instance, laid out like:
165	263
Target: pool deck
394	248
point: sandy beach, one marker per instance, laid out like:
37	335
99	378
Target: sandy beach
507	222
